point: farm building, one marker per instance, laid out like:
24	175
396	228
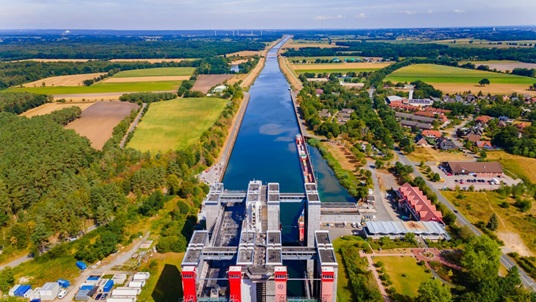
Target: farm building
482	169
417	205
430	230
49	291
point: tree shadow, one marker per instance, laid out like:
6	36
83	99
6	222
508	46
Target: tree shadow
169	285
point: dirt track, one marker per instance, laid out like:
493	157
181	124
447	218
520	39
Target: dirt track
68	80
98	121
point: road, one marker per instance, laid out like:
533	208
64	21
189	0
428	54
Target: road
505	260
132	126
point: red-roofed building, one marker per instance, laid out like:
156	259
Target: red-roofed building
432	133
483	119
484	145
416	204
440	117
436	110
398	105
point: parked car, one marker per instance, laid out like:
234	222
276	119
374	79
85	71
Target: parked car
104	296
98	297
63	293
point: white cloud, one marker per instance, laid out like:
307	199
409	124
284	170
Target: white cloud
459	11
429	11
322	18
361	16
409	12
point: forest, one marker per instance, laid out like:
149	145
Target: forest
124	47
19	102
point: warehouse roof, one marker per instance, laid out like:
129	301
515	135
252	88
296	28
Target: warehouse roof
475	167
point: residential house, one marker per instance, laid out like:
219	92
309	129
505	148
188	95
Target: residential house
324	113
485	145
446	144
473	138
417	205
420	140
483	119
432	134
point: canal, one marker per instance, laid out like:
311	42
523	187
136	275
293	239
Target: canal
265	150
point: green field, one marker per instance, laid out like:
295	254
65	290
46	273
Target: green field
317	71
156	72
102	87
431	73
406	281
175	124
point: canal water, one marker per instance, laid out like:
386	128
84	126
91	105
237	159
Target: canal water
265	150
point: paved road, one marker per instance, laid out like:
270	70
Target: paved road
505	260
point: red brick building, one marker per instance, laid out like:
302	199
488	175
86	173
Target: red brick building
417	205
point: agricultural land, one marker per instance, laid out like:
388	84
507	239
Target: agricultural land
206	81
175	124
67	80
103	87
338	67
156	72
453	79
98	121
51	107
502	65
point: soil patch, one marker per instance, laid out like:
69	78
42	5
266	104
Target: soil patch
68	80
98	121
206	81
50	107
497	88
513	243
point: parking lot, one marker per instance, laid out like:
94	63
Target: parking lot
466	181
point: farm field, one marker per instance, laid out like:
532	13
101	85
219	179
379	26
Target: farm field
503	65
145	79
102	87
156	72
152	60
405	282
513	224
454	79
50	107
98	121
175	124
484	43
337	67
205	81
67	80
519	165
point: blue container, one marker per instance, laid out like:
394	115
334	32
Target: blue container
108	286
35	300
19	292
63	283
93	278
81	265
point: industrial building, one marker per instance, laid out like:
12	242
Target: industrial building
241	255
481	169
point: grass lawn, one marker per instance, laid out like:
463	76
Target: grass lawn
429	154
103	88
164	284
414	274
479	206
175	124
431	74
521	166
156	72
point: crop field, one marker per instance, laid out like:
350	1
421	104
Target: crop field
205	81
503	65
454	79
50	107
337	67
485	43
156	72
98	121
519	165
145	79
67	80
102	87
405	282
513	224
175	124
152	61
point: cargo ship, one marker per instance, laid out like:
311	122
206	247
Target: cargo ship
301	228
305	160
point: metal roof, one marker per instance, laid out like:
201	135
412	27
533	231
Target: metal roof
404	227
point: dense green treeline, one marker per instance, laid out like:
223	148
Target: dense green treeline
16	73
19	102
396	50
147	97
116	47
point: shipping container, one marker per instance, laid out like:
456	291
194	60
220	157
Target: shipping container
49	291
141	276
87	287
13	289
108	286
64	283
128	292
81	265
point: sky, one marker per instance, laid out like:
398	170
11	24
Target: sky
261	14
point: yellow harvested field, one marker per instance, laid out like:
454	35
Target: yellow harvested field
50	107
146	79
68	80
149	60
430	154
492	88
54	60
245	53
303	45
237	78
339	66
518	165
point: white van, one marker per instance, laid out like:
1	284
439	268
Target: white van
62	293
